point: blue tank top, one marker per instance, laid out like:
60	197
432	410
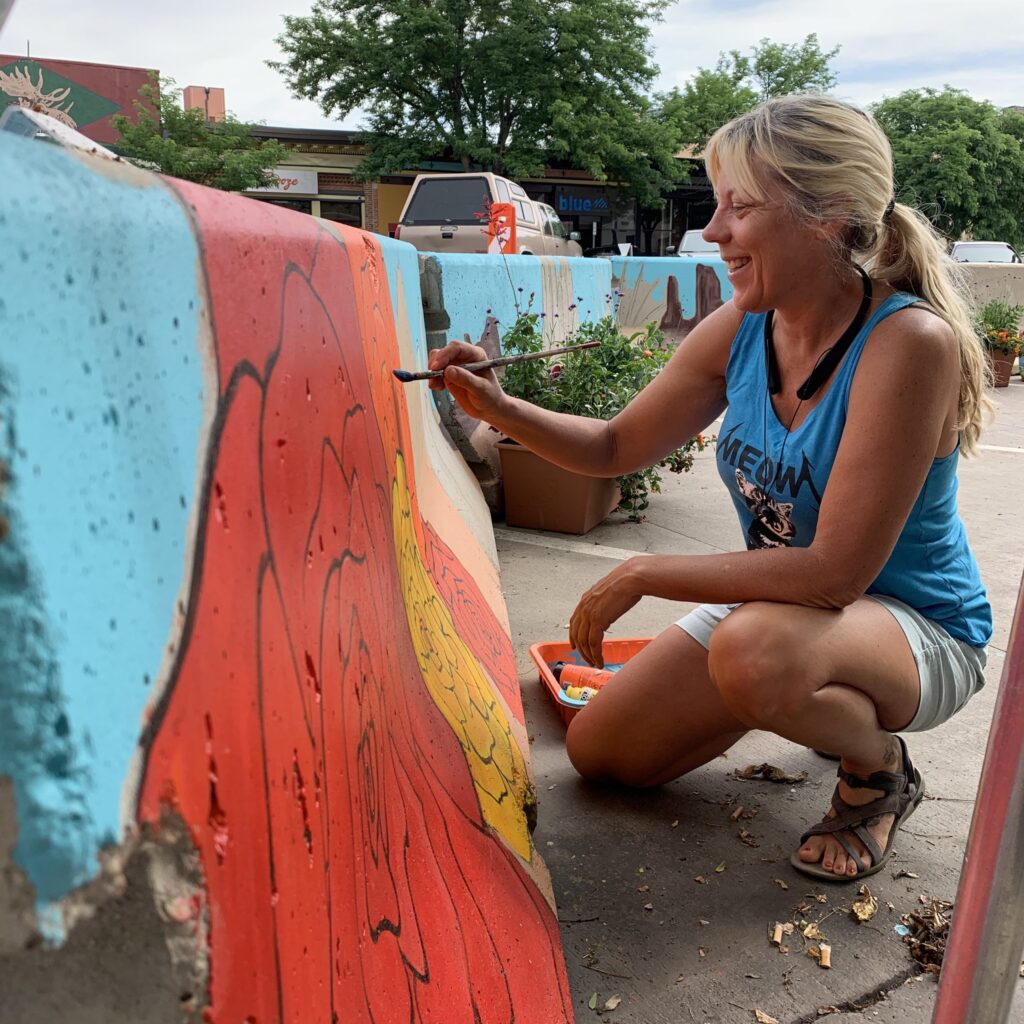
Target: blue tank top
931	568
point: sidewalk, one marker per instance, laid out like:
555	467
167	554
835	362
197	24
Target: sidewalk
648	911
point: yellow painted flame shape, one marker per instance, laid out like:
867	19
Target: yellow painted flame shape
460	689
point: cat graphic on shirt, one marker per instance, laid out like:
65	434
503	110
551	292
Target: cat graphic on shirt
772	525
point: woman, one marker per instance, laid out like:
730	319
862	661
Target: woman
857	611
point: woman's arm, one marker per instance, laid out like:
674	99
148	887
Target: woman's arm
682	400
901	412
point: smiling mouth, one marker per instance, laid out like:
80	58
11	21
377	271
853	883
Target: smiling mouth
736	262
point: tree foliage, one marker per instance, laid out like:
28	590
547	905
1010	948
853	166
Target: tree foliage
511	87
960	160
738	83
182	143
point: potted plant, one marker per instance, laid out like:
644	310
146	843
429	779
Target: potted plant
596	382
998	326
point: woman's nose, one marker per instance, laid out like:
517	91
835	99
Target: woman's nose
713	232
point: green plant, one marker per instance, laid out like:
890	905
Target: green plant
998	326
598	382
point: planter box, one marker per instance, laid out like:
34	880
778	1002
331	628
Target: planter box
1001	363
542	496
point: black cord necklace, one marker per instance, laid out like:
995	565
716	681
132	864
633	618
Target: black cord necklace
821	371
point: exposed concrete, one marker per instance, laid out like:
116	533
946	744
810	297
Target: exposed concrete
136	950
602	845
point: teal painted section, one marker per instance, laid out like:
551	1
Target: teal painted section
565	291
101	397
651	274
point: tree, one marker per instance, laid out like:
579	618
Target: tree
960	160
510	87
738	83
182	143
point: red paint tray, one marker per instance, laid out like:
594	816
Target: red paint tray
616	654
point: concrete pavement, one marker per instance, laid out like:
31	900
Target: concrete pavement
645	912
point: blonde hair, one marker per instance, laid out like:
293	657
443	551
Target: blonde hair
833	162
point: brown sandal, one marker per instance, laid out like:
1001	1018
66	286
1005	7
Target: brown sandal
903	791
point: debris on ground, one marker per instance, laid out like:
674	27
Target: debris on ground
768	772
781	884
747	838
866	907
764	1018
929	930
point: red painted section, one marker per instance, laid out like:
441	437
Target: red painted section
984	868
350	875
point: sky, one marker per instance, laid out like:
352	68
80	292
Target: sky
887	46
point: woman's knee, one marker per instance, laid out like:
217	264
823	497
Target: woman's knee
596	755
754	661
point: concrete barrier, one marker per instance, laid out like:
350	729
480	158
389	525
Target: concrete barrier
674	292
262	750
988	281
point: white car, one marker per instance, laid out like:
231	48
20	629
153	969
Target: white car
984	252
693	244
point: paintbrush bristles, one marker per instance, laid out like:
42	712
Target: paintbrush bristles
405	376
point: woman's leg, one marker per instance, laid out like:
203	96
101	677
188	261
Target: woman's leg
842	681
660	717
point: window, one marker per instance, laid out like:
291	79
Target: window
502	191
448	201
342	211
299	205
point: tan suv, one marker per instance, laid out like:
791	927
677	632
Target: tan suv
446	213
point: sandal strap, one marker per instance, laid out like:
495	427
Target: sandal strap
851	852
887	782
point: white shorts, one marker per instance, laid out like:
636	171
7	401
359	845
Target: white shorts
950	671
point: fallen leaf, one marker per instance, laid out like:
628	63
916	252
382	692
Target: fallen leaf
592	1002
764	1018
643	888
769	773
813	952
821	898
700	879
748	838
781	884
812	931
866	908
612	1002
788	927
720	868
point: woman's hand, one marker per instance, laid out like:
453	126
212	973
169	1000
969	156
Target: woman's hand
607	600
478	394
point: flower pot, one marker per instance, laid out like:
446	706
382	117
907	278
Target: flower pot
1001	363
542	496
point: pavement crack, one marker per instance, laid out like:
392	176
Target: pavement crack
865	1001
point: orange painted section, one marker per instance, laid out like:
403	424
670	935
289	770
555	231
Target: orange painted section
351	872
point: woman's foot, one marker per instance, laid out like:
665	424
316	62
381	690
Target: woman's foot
827	850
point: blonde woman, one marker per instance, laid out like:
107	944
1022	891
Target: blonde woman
851	383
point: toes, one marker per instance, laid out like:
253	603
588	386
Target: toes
811	850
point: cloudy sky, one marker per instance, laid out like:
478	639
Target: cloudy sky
887	45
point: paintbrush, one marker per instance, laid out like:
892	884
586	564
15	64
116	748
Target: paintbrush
406	375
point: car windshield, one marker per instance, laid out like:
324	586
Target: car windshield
983	252
693	241
448	201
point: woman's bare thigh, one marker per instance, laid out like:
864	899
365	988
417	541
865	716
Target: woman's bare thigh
660	717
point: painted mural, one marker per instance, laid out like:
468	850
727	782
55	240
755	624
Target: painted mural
674	292
80	95
233	526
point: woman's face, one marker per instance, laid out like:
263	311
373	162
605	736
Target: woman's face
771	255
